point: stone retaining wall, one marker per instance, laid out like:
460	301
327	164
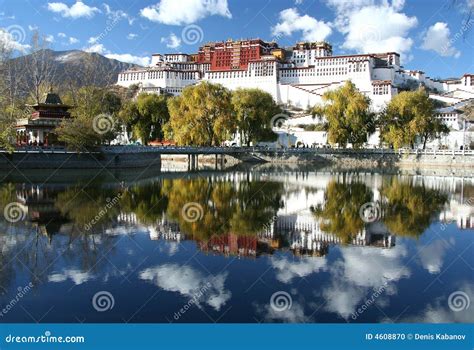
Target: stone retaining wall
71	160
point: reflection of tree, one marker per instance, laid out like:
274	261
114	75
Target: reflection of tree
7	195
147	202
408	209
340	213
94	206
243	208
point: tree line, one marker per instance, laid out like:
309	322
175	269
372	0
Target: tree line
409	118
203	115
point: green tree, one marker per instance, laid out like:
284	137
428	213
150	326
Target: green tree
146	116
348	116
153	110
202	115
410	116
94	118
254	109
10	103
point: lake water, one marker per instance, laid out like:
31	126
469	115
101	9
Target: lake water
242	246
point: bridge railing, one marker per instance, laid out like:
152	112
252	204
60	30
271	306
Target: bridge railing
237	150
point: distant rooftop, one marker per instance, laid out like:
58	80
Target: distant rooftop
51	98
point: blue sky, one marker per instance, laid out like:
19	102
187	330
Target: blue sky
436	36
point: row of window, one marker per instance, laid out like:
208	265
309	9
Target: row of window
381	89
158	75
322	71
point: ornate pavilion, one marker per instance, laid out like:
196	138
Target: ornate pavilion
39	128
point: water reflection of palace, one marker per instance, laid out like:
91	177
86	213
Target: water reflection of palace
305	236
302	237
293	227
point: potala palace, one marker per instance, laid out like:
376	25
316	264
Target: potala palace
298	76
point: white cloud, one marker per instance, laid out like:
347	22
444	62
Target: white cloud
172	41
62	35
291	21
117	15
438	310
374	26
432	256
93	40
73	40
132	36
128	58
78	10
32	28
77	276
360	271
379	29
125	57
189	282
437	39
185	11
49	38
10	42
97	48
4	16
287	270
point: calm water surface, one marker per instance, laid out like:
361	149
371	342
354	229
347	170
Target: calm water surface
252	246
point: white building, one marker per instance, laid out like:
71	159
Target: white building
296	77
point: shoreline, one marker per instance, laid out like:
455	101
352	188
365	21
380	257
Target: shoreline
145	157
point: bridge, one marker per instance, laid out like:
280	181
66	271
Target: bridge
143	156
